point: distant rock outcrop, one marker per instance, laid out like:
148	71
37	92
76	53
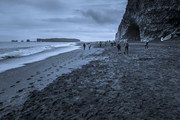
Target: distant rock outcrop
58	40
149	20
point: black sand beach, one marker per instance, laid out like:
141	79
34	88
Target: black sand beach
17	83
142	85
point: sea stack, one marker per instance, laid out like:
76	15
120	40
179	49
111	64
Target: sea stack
149	20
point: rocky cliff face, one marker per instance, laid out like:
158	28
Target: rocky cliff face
149	20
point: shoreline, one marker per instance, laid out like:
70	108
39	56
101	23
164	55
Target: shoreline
17	83
16	62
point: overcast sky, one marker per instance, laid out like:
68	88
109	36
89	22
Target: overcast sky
88	20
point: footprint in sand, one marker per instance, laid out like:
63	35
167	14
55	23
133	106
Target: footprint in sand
50	68
48	74
29	79
41	77
39	80
52	72
21	90
57	70
15	97
2	109
54	65
1	93
1	103
31	83
12	86
3	90
32	75
32	86
37	73
18	81
60	66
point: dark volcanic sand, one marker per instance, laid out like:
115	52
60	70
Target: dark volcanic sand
142	85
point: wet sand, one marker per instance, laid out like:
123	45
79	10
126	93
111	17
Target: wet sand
142	85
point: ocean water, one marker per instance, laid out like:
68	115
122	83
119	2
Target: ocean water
17	54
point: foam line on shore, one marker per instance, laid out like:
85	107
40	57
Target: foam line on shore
19	62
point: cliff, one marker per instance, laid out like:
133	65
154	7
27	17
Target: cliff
58	40
149	20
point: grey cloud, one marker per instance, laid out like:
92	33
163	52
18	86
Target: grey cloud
45	5
67	20
48	5
103	17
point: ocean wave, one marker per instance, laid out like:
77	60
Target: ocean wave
27	51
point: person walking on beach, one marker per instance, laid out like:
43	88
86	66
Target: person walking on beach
89	46
119	47
100	44
112	44
104	43
84	46
146	45
126	48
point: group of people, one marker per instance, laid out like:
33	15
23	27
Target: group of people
126	47
89	46
118	45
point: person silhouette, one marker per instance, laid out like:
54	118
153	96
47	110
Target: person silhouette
119	47
100	44
126	48
146	45
84	46
89	46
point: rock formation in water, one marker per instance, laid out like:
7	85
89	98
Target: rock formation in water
149	20
58	40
